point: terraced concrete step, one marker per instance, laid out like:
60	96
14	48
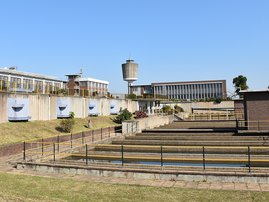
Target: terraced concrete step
194	124
203	137
184	134
203	130
191	143
174	159
184	149
197	126
181	155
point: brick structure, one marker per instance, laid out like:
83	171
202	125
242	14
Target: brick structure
239	109
78	85
256	109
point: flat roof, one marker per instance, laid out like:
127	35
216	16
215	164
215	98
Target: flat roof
189	82
253	91
141	85
73	75
93	80
28	74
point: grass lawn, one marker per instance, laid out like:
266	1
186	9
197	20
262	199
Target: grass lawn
31	188
13	132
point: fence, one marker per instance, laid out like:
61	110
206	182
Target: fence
216	116
173	157
67	142
258	125
36	150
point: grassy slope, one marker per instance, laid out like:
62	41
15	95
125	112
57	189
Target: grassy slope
30	188
13	132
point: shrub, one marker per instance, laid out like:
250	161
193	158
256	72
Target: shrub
132	96
72	115
166	108
67	125
140	114
217	100
123	116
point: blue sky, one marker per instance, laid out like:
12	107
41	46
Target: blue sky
172	40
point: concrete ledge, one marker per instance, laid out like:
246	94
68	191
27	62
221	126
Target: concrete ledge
253	132
210	121
191	130
142	173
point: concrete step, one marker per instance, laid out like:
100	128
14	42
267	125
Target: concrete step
200	124
181	155
201	137
192	143
185	134
184	149
255	161
202	130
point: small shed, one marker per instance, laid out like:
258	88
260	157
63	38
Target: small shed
256	109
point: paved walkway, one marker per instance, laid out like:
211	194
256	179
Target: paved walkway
7	168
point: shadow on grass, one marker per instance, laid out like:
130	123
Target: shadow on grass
60	129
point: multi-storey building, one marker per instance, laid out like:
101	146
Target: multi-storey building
142	90
78	85
190	90
12	80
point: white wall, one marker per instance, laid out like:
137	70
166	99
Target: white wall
44	107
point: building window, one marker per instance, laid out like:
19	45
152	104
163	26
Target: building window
15	82
28	84
3	82
38	86
83	83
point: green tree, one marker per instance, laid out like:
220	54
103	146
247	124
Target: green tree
132	96
240	83
166	108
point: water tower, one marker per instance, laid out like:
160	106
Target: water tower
129	72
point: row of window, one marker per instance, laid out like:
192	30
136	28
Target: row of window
92	84
28	84
190	91
195	96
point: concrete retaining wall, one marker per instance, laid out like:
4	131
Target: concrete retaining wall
3	108
148	173
44	107
150	122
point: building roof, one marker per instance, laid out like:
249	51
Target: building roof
141	85
93	80
253	91
189	82
79	75
27	74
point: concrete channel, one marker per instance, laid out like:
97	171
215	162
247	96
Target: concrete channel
189	151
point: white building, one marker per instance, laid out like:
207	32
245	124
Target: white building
12	80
